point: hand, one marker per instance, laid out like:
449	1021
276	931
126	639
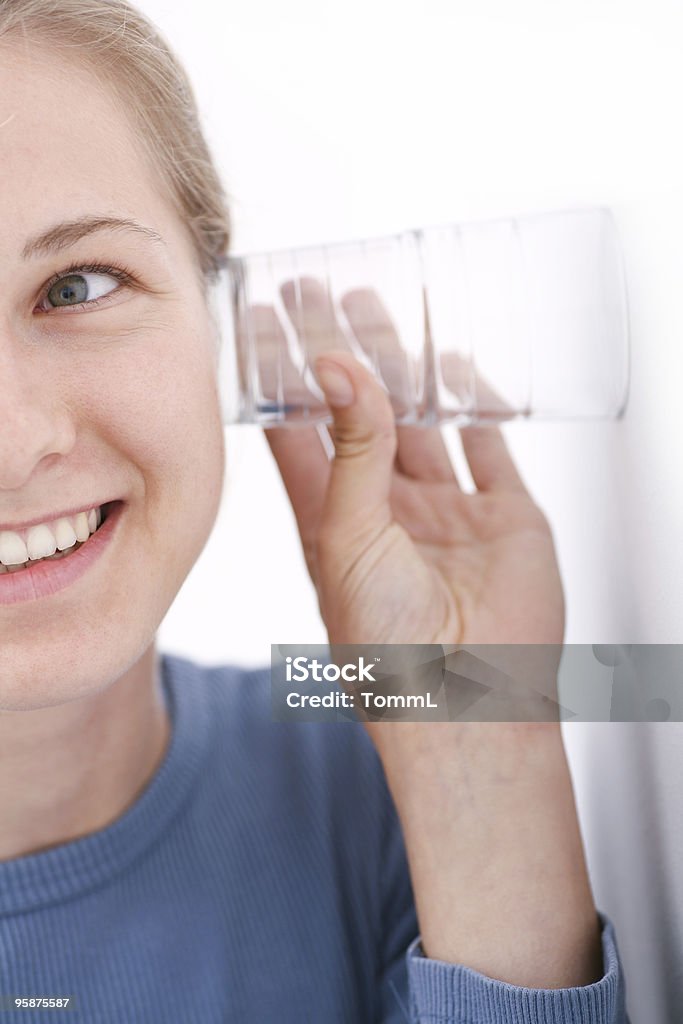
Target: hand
397	551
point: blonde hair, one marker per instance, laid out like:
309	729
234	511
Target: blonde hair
126	51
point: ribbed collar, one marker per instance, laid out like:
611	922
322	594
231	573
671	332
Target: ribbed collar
70	869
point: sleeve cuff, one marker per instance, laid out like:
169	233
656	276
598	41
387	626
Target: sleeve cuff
443	993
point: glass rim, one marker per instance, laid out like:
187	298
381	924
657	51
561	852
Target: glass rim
232	259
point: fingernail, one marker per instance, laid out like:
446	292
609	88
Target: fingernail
336	384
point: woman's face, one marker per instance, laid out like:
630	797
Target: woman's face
108	384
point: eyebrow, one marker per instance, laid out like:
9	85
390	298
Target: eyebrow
61	236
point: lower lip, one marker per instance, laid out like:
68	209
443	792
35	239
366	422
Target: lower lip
47	578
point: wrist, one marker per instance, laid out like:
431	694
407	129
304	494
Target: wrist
467	756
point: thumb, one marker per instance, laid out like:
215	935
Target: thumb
364	434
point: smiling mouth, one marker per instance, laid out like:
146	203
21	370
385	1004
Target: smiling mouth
70	537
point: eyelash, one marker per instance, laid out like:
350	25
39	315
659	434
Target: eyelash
121	273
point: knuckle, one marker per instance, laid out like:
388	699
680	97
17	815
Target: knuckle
354	442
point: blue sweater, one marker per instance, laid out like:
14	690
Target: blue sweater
260	878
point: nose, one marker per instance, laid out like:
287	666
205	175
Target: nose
34	424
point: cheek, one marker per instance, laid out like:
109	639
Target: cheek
155	405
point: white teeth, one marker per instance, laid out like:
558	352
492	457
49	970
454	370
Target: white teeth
13	551
41	542
47	540
81	527
65	535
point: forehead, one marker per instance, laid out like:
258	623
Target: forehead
67	146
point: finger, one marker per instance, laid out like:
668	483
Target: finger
376	334
489	460
309	307
457	375
488	401
358	495
462	379
300	458
259	329
421	452
305	471
491	465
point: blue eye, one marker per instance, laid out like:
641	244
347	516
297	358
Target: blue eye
74	289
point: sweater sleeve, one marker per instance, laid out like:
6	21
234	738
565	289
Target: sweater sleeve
443	993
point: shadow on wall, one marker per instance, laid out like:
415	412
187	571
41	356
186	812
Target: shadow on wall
647	448
627	775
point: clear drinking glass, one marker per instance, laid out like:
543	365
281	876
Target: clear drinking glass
493	320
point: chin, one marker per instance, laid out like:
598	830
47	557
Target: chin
73	667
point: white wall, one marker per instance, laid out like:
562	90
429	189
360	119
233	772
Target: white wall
333	120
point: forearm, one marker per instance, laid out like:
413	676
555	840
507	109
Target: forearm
494	849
